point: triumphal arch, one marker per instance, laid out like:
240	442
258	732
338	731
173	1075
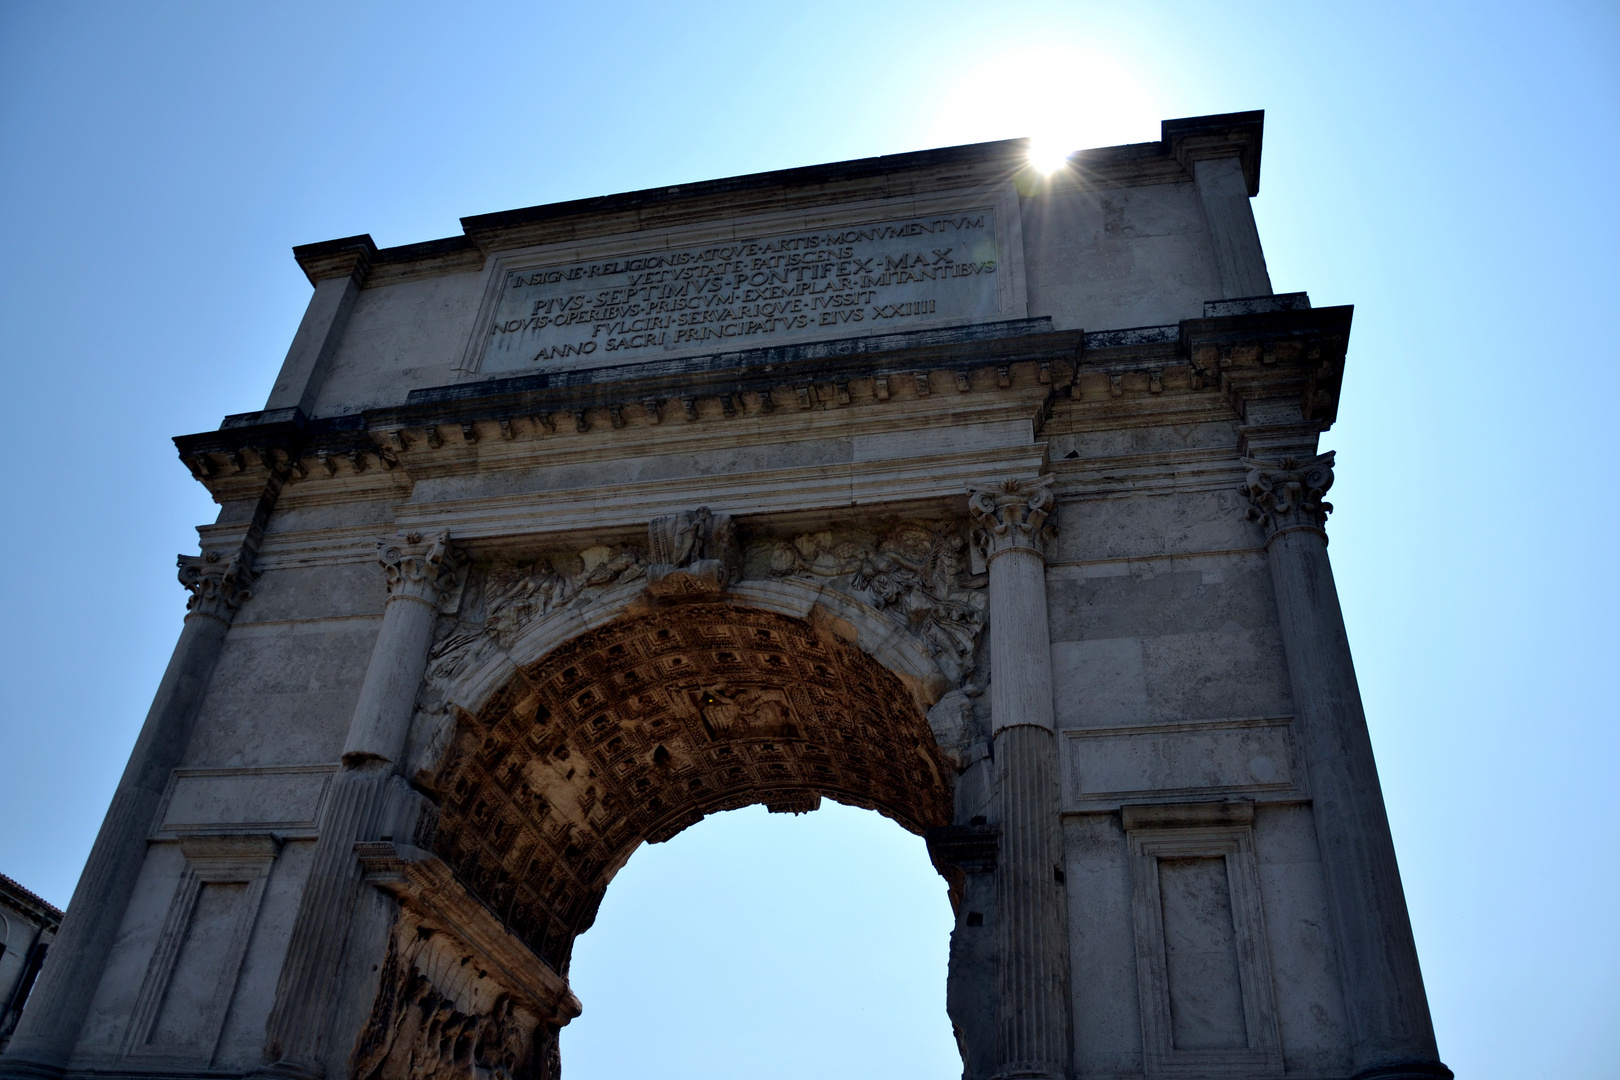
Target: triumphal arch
988	500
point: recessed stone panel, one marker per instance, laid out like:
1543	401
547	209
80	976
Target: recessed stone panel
1126	763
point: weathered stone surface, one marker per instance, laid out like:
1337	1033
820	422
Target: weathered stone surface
555	536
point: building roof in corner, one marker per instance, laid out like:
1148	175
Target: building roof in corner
26	900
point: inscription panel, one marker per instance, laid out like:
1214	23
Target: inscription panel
887	274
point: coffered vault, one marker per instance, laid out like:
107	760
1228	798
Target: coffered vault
987	500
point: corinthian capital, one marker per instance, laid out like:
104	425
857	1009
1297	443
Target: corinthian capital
218	585
1286	495
421	568
1014	515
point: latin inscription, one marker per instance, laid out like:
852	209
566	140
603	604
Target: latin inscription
837	282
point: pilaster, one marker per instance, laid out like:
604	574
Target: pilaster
337	269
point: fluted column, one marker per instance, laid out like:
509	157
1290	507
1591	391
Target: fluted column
49	1027
369	801
1013	522
1391	1032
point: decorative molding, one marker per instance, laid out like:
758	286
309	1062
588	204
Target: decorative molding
422	569
236	800
873	485
218	585
1183	1045
1014	515
1285	496
693	553
916	571
242	859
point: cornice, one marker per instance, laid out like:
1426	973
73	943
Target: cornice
1275	370
1225	135
345	257
1025	355
1295	356
885	177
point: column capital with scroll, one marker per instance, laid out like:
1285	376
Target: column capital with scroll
1013	515
218	583
1286	495
424	568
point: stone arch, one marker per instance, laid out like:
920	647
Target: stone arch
846	617
634	728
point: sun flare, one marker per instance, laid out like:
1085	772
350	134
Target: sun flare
1062	97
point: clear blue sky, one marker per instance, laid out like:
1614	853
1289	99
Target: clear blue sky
1447	168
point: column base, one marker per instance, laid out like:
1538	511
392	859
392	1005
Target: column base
1418	1069
1031	1070
16	1068
290	1069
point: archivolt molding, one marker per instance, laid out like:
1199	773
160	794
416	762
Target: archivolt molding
902	594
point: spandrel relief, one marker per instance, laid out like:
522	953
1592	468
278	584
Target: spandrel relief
500	601
918	572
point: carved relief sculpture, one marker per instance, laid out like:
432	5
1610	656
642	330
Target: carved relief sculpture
693	553
439	1016
917	571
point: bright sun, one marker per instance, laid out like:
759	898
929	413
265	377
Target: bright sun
1047	154
1062	97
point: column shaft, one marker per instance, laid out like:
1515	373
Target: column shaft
1032	1015
1392	1037
369	801
1384	996
382	715
1033	1021
49	1027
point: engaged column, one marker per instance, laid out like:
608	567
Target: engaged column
1391	1033
369	800
1012	526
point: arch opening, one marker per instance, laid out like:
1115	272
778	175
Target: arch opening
638	728
757	944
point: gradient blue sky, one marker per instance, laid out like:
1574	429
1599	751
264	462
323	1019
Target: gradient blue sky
1447	168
